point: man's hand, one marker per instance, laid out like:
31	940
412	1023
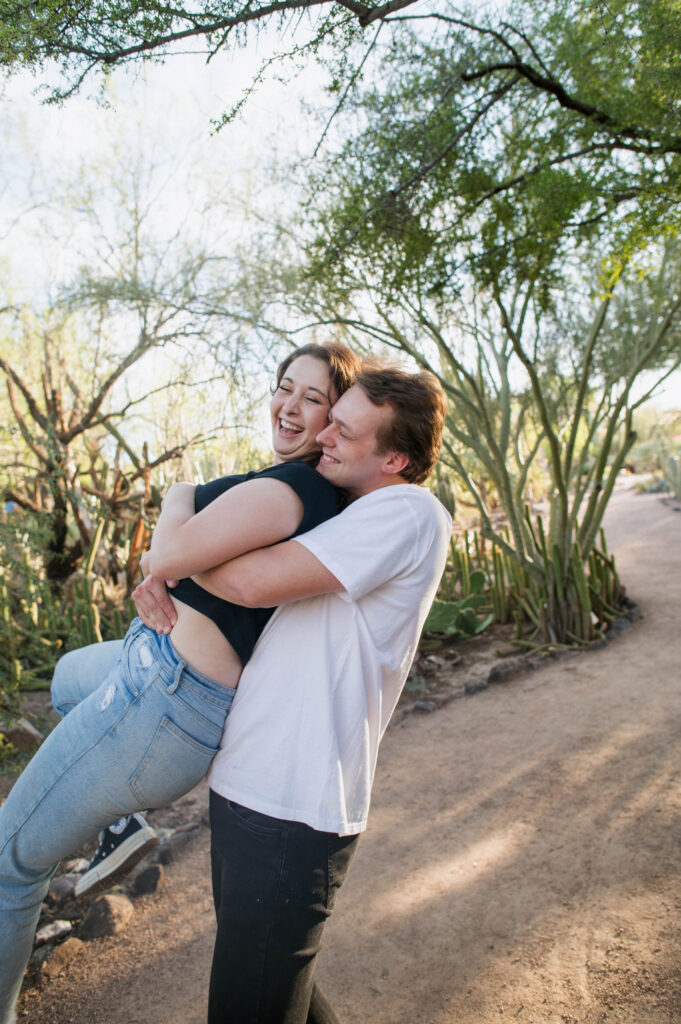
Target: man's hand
154	607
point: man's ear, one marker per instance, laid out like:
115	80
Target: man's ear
394	463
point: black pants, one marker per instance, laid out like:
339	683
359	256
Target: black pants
274	885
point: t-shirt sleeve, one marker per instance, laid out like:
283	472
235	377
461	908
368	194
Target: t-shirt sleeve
320	498
377	538
205	493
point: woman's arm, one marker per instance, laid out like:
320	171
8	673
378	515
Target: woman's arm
252	514
177	508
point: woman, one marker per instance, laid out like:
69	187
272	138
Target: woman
148	733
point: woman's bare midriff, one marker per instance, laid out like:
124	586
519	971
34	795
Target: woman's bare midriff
201	644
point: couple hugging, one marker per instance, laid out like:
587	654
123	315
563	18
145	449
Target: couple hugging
351	549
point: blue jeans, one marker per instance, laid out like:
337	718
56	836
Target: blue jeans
142	738
79	673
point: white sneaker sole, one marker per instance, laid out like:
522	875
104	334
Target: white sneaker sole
117	864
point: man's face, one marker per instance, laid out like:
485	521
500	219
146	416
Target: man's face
349	457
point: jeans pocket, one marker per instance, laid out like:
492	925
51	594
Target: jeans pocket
254	821
173	763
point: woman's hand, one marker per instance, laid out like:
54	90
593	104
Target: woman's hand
153	605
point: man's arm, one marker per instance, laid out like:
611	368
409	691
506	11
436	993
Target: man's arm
270	576
259	579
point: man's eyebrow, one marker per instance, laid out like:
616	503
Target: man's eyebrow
339	423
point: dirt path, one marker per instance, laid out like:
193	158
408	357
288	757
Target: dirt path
522	861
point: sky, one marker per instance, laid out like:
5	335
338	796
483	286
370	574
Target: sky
165	111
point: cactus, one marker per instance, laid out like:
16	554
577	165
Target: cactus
562	603
673	474
117	623
452	618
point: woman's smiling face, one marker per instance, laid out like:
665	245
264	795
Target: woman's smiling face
299	408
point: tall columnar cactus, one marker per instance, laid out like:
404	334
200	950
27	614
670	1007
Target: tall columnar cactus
673	474
563	606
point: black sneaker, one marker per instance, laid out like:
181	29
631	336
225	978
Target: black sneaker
121	846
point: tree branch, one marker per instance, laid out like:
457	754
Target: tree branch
568	102
16	380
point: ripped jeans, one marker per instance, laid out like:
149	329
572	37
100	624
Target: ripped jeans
140	739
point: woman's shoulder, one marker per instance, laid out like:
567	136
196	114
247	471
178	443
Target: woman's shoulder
306	482
297	469
204	494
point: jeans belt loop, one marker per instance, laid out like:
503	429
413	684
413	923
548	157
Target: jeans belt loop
181	666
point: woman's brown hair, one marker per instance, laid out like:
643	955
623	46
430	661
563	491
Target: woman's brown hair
342	362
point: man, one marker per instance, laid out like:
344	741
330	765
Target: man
290	787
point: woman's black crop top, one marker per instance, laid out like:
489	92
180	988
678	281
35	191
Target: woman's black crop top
243	626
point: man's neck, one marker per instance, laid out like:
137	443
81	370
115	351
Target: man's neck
388	481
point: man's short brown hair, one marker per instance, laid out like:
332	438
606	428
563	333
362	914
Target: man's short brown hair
419	405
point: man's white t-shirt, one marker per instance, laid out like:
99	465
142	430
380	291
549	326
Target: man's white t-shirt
301	739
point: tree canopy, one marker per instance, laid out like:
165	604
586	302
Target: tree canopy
508	143
98	35
571	52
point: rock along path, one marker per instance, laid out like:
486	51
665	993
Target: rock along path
522	860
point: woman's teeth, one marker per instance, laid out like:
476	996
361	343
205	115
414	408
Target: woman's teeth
285	425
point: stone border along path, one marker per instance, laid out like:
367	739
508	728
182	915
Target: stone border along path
522	861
